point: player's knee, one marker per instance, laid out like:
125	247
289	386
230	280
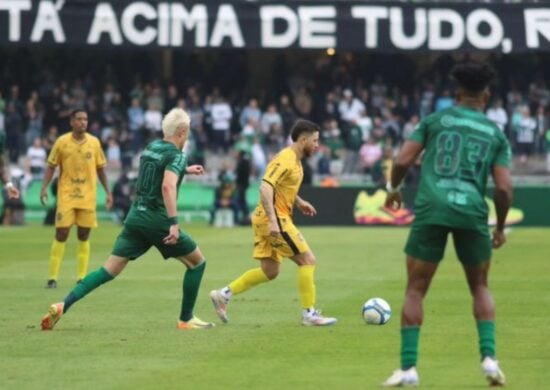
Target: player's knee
83	235
271	273
61	235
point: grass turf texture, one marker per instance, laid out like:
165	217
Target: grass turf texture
124	336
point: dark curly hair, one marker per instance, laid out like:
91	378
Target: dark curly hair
473	76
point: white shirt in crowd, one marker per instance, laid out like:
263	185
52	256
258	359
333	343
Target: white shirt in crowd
153	120
37	157
499	116
221	116
526	130
351	111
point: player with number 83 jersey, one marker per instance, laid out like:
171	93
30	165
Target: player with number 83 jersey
460	147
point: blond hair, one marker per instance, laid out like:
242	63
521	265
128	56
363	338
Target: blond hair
174	120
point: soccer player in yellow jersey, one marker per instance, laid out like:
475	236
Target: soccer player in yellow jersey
80	160
275	235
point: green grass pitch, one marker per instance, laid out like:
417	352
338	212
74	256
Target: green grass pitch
124	336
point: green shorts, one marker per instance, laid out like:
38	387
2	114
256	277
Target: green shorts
427	243
134	241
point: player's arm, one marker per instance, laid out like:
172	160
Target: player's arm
406	157
503	199
50	170
266	197
13	192
105	183
169	196
305	207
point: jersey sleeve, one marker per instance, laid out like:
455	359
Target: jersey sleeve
420	133
100	159
55	154
177	163
276	170
503	156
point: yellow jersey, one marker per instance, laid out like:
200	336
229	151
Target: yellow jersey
78	163
284	173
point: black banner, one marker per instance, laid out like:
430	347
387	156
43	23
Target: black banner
349	25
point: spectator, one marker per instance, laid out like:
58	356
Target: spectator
370	153
271	120
221	123
153	120
525	135
498	114
353	140
259	158
409	127
123	194
542	125
350	109
288	114
113	153
243	182
36	157
136	125
251	111
226	195
303	102
444	101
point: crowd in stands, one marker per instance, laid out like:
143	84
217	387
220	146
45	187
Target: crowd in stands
363	123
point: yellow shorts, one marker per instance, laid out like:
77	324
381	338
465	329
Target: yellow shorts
80	217
288	244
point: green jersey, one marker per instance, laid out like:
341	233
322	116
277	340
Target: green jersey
460	147
148	209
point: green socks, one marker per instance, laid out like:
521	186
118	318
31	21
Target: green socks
191	285
409	346
486	332
92	281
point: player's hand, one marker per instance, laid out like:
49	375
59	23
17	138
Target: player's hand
173	235
109	201
44	196
195	169
13	193
274	230
394	201
306	208
499	238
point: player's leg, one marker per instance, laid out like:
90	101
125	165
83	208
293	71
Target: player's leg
425	248
196	264
473	248
85	221
112	267
306	286
188	253
83	251
64	219
269	269
130	244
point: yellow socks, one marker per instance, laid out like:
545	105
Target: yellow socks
247	280
83	257
306	286
56	256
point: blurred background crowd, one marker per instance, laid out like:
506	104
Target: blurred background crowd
242	106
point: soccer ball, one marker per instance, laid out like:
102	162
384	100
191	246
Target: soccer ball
376	311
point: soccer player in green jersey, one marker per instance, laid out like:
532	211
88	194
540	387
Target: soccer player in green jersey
461	148
152	221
